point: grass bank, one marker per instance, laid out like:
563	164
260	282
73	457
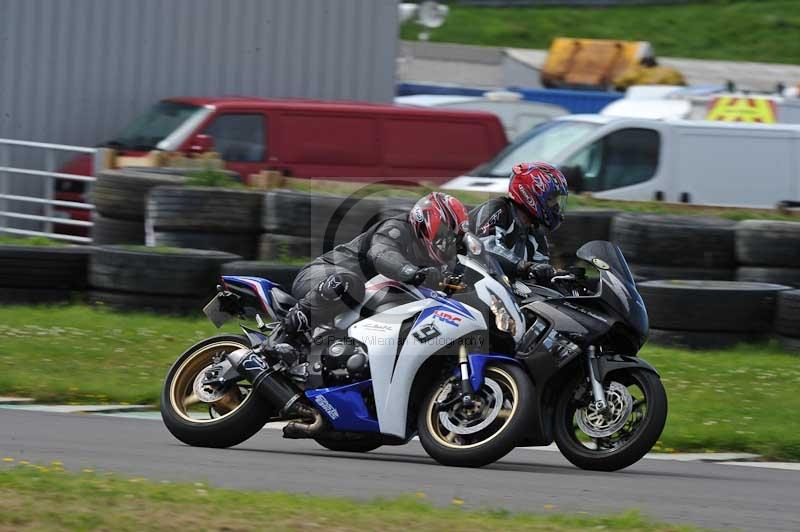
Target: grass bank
48	498
734	30
733	400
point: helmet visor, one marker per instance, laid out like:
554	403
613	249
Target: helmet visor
444	243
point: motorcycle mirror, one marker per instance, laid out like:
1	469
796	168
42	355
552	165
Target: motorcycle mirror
473	244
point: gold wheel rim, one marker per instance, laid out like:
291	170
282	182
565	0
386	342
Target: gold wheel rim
182	395
436	430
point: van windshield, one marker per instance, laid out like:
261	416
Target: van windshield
150	128
543	143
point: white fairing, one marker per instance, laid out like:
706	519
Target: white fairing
435	321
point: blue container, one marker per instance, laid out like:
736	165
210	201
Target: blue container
573	101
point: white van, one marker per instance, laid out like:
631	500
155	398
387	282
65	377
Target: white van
701	162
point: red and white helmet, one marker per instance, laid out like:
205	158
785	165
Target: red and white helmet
438	221
541	190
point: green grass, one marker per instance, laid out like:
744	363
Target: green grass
35	497
211	178
575	201
734	400
763	30
39	241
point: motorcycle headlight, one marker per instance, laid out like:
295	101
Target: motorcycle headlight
502	318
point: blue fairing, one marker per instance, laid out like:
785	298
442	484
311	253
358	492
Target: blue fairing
344	406
477	365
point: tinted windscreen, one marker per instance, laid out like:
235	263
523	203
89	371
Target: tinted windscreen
153	126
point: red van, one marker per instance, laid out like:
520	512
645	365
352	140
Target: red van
302	138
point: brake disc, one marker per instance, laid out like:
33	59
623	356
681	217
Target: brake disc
597	424
207	393
446	418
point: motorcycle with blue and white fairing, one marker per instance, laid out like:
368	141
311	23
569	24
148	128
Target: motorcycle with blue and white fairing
474	369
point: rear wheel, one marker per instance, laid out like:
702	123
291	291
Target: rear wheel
203	416
637	411
481	433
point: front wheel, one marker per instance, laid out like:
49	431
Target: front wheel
205	416
619	437
474	435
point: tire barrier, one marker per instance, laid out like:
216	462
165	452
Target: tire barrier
648	272
33	274
278	273
759	274
700	339
296	223
684	241
768	243
188	276
579	227
787	320
121	194
722	308
108	231
205	218
160	304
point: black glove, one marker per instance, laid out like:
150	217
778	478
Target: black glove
430	277
541	272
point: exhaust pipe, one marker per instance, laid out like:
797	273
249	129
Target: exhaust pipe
296	429
267	382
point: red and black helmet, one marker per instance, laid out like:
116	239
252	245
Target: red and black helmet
438	221
541	190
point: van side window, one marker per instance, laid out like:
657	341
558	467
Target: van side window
622	158
239	137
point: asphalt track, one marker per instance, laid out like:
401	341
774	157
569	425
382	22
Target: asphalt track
705	494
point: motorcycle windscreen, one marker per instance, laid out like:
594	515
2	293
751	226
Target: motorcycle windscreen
619	289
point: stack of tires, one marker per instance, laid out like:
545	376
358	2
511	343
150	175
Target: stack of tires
168	281
219	219
768	251
119	199
34	274
579	227
676	247
300	225
787	320
709	314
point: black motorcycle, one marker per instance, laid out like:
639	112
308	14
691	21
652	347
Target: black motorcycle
603	406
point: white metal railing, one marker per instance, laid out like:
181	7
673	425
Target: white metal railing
8	201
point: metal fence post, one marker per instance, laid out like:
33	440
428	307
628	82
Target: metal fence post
5	160
49	189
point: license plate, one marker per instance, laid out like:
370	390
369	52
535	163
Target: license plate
213	310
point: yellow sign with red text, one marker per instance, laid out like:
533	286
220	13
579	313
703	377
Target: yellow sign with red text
742	109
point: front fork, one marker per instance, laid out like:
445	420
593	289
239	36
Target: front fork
466	385
593	371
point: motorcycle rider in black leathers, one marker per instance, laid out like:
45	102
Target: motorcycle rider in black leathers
411	249
512	228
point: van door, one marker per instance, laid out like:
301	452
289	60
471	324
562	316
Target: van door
623	164
241	140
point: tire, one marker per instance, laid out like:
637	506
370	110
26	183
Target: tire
351	446
784	276
185	272
646	272
106	231
121	194
44	267
243	244
204	209
318	216
36	296
787	316
579	227
227	431
700	340
158	304
282	247
632	451
720	306
684	241
789	344
277	273
499	444
768	243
